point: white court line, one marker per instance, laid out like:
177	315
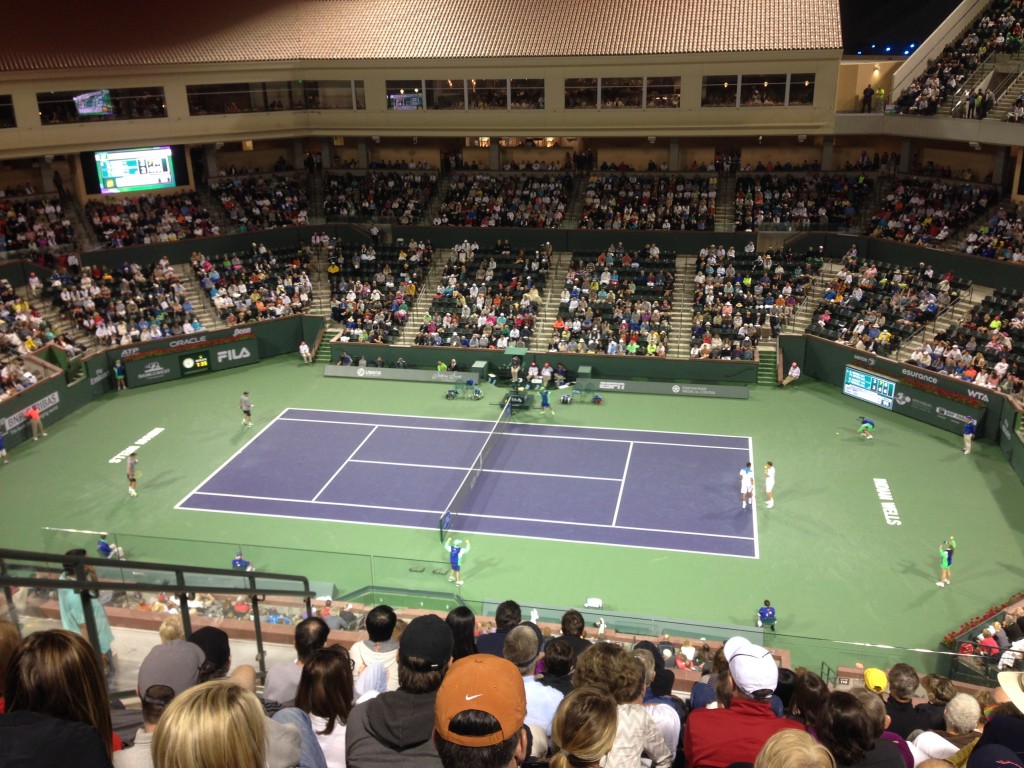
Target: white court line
502	535
520	423
229	459
622	485
345	463
505	434
434	512
753	500
492	471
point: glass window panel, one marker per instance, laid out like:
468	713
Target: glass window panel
581	93
360	90
405	94
223	98
446	94
718	91
622	92
488	94
663	92
101	104
801	90
528	93
7	112
335	94
763	91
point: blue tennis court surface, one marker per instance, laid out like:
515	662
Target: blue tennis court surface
658	490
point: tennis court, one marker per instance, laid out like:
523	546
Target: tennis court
656	490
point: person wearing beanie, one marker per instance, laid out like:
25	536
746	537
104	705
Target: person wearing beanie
396	727
722	736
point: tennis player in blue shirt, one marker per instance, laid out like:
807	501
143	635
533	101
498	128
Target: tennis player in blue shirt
545	402
766	616
867	426
456	550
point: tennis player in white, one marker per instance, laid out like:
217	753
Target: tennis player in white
769	484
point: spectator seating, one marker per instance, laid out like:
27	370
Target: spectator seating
877	306
149	219
402	197
927	211
635	201
1001	237
505	200
740	296
486	299
373	286
616	302
987	348
263	202
996	31
33	223
772	200
256	284
126	305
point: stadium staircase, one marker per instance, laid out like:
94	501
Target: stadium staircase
85	235
725	203
202	307
1004	102
212	204
682	313
550	302
424	297
444	183
767	364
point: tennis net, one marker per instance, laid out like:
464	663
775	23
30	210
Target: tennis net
458	501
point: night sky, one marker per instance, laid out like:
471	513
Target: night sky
896	24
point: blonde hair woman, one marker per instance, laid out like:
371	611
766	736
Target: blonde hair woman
793	749
217	724
583	730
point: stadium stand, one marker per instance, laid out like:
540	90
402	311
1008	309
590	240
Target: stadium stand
617	302
150	219
263	202
372	287
632	201
486	298
507	200
876	306
401	197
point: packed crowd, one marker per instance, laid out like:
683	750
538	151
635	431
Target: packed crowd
401	197
798	201
451	692
928	211
488	300
1001	237
125	305
737	296
506	200
149	219
616	302
632	201
372	288
256	284
876	307
986	348
263	202
22	330
998	30
33	223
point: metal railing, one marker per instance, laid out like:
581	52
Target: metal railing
87	577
